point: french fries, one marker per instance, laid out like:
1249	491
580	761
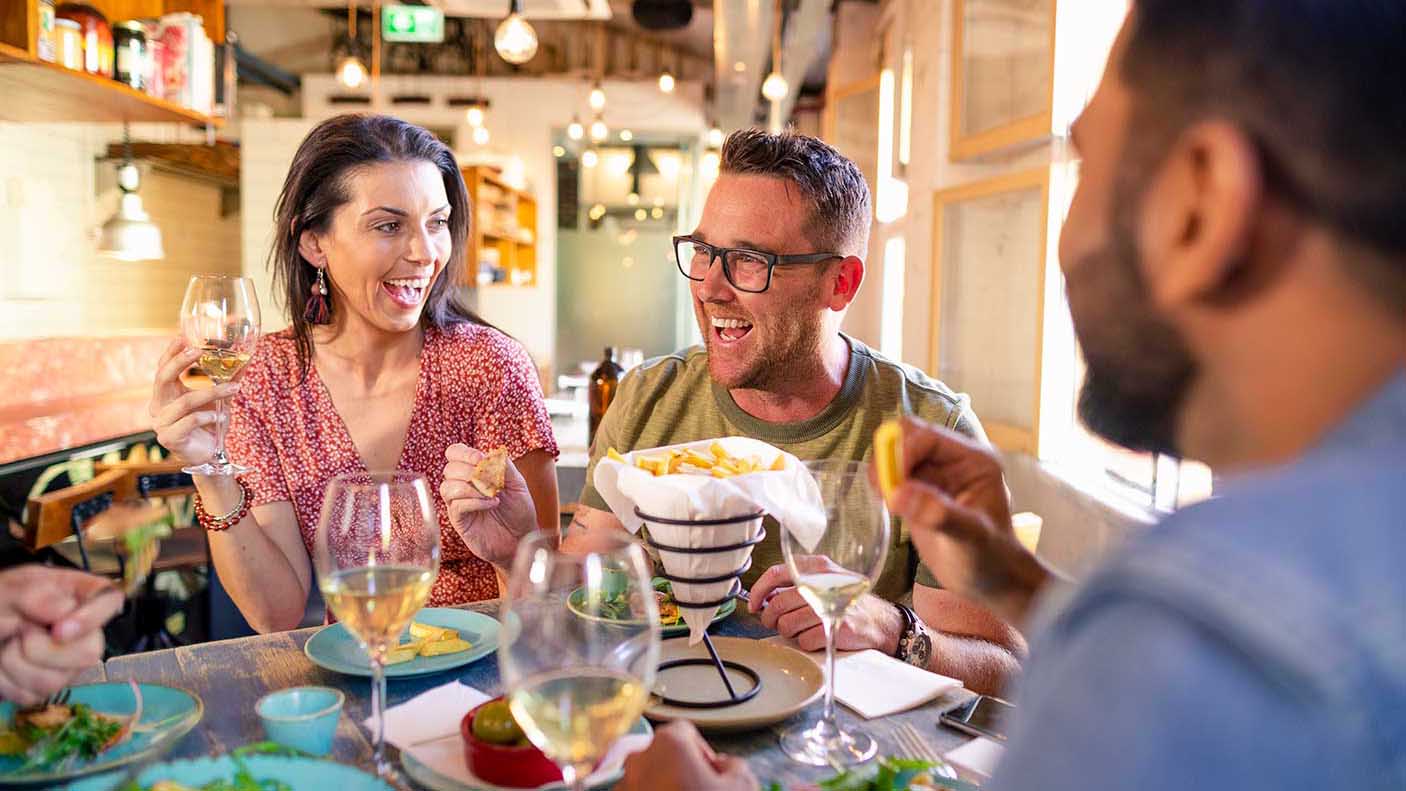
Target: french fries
427	640
888	441
718	463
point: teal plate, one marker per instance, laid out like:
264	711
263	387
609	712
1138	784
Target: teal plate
576	602
429	778
300	774
171	711
334	648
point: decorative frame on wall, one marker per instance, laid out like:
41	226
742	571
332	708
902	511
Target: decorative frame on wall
991	247
1002	74
850	124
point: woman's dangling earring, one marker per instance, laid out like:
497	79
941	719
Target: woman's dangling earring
319	308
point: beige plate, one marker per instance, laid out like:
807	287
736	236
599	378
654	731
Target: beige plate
791	681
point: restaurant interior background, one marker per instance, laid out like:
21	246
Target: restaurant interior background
955	110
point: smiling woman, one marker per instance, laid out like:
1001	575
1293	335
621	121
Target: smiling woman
384	370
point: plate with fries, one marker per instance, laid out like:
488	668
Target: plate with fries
713	461
439	638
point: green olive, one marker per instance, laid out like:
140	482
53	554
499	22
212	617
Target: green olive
494	724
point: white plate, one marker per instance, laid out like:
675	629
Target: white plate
790	683
426	775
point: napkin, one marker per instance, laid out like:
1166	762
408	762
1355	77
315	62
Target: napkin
427	727
874	684
977	757
789	495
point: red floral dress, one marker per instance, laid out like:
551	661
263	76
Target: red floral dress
476	386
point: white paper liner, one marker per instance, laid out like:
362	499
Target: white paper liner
790	496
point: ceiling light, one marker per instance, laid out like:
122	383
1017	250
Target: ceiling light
641	215
130	235
657	213
627	135
558	152
597	211
351	72
633	199
515	39
774	87
481	135
666	82
715	138
589	158
599	131
597	97
474	115
574	130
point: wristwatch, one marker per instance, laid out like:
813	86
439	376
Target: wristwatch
914	645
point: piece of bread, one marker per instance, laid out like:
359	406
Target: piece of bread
490	472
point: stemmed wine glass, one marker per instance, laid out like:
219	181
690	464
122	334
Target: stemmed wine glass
220	317
577	684
377	554
831	576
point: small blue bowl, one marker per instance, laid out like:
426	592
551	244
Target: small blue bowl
304	718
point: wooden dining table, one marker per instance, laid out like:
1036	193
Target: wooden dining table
231	675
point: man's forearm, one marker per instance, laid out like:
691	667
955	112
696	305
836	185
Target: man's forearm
983	666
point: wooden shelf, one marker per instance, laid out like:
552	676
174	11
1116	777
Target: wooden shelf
517	257
46	92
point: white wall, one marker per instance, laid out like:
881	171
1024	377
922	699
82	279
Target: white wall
522	117
266	151
54	195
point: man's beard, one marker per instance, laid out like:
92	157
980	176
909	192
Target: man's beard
794	356
1139	368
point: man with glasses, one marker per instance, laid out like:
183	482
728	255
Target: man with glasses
776	260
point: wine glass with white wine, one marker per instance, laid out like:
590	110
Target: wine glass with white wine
377	555
831	576
577	684
220	317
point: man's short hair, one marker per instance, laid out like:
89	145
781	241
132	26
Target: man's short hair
839	196
1314	83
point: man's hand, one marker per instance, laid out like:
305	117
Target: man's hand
490	526
680	760
953	500
870	623
50	628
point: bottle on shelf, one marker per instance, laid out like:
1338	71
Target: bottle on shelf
604	381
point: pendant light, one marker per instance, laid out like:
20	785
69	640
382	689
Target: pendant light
351	70
574	130
774	87
597	98
130	234
599	131
515	39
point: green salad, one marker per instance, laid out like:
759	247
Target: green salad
889	774
243	779
621	606
53	738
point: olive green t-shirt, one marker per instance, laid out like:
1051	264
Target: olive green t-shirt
673	399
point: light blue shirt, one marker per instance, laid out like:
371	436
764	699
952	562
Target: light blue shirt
1254	641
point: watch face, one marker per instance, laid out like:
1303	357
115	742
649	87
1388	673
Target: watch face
921	651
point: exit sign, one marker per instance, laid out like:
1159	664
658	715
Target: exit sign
414	23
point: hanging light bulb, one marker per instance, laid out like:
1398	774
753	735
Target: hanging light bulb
574	130
599	131
351	72
626	135
597	97
558	152
666	82
481	135
589	158
474	115
774	87
130	235
715	138
515	39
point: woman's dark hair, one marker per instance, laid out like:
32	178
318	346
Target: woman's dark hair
317	185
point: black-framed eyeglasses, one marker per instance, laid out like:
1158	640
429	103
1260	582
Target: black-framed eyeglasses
747	270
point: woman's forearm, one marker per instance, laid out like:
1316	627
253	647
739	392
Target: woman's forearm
270	590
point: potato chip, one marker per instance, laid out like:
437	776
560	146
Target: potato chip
439	647
888	441
425	631
404	653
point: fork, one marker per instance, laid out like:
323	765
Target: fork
909	740
58	698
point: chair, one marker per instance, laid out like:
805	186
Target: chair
79	510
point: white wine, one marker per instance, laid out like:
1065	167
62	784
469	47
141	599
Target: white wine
221	364
377	602
575	715
830	593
